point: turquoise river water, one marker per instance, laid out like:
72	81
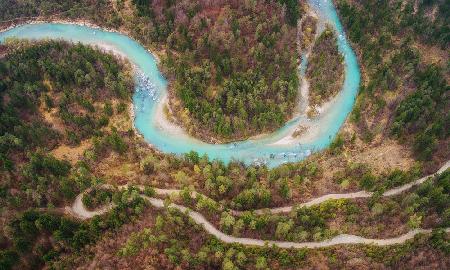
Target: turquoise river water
151	89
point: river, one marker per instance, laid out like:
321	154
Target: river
151	90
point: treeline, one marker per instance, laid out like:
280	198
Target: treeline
16	9
253	187
394	66
234	64
234	184
12	9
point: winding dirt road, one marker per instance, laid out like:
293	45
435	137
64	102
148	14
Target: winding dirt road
78	210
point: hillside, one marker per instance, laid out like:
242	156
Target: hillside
82	188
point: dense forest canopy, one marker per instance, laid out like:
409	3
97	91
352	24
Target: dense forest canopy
234	63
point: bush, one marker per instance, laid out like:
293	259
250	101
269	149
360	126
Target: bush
97	197
439	240
8	258
254	197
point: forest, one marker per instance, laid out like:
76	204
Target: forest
394	66
234	74
325	71
14	10
64	82
44	77
37	182
427	206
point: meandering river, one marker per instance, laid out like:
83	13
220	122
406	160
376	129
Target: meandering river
151	90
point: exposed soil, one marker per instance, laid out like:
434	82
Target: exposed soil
71	153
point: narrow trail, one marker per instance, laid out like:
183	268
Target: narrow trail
352	195
79	210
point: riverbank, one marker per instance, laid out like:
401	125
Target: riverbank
259	151
155	52
171	99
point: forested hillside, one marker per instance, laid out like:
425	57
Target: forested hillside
65	82
401	45
51	93
66	129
